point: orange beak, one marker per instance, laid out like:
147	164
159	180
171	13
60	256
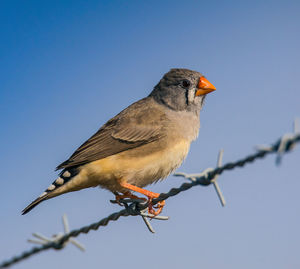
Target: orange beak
204	87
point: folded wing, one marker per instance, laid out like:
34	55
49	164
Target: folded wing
129	129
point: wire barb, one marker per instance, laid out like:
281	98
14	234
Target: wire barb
214	180
195	177
203	180
284	144
43	240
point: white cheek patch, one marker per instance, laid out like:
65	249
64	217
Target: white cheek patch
191	96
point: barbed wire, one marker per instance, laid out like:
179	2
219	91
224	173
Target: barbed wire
136	208
43	240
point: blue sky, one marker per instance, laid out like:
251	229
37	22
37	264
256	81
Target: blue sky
66	67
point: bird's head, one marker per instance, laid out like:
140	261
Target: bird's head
182	90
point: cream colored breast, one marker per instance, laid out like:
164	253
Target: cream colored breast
137	169
158	165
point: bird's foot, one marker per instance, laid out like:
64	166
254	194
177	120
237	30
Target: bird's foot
159	206
127	195
150	195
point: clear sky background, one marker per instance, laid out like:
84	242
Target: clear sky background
66	67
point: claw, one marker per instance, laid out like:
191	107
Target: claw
150	195
159	206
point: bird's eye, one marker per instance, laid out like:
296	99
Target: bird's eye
185	83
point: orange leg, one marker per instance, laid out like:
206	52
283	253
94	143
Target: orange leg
127	195
149	194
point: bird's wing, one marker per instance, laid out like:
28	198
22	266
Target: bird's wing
139	124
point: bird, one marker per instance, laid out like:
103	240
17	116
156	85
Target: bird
141	145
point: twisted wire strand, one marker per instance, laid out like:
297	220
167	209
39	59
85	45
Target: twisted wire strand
134	208
207	179
60	243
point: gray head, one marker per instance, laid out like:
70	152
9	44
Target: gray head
182	89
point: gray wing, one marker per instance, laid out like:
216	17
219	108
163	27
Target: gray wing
138	124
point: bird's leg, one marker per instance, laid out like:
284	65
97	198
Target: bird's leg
151	195
127	194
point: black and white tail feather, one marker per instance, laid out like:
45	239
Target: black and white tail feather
65	176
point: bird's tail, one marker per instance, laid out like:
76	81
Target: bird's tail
63	178
34	204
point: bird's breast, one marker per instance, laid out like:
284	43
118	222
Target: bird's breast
140	166
184	124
